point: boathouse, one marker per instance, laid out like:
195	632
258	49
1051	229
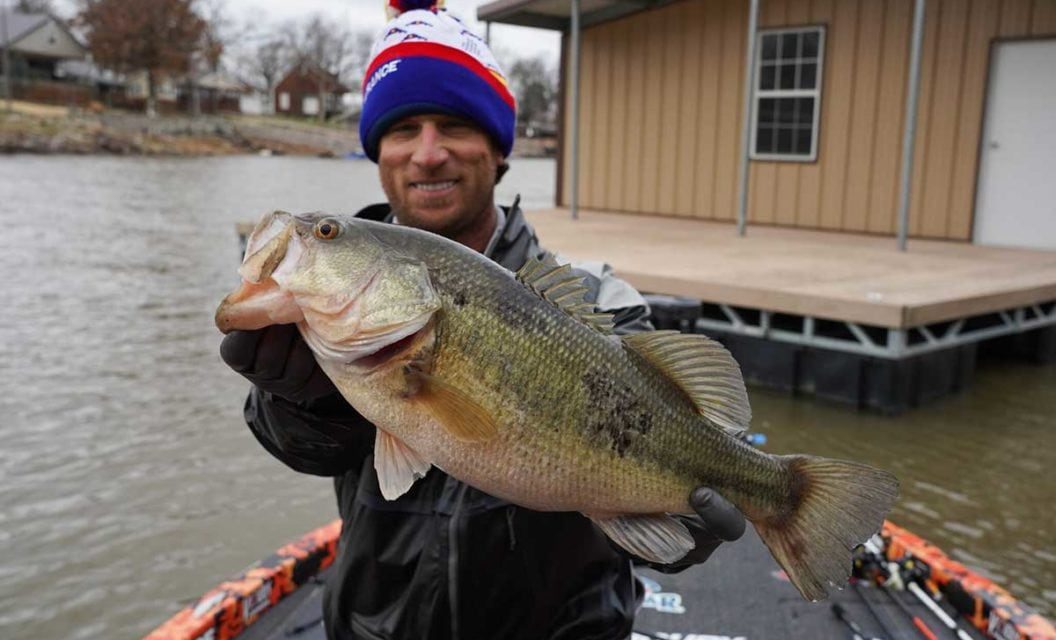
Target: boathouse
847	127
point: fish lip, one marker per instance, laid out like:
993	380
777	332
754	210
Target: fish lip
255	305
267	252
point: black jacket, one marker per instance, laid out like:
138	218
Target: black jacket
446	561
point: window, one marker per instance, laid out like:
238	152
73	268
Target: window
284	101
787	96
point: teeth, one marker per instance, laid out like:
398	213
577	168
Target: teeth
434	186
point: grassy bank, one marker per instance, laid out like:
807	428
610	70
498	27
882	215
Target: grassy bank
34	128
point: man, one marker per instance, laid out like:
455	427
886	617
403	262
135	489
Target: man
446	560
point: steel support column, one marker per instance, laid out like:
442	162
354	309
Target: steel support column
574	98
746	128
910	134
6	56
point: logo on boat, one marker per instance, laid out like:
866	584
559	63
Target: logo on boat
256	601
656	598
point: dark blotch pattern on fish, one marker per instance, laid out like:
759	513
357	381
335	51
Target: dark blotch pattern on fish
614	412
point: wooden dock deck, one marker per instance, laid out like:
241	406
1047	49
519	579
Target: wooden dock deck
836	276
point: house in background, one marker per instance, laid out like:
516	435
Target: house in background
217	93
662	96
220	93
298	93
37	44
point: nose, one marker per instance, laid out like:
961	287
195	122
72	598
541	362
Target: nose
430	150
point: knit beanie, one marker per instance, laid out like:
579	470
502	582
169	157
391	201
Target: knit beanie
428	61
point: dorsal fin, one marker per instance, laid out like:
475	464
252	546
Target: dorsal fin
555	283
703	369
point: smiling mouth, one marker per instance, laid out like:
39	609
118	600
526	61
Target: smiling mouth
438	185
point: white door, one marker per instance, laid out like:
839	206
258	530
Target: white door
1016	201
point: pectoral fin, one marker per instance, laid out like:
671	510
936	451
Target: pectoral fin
455	411
653	537
397	465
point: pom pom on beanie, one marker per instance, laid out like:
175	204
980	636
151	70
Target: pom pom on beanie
395	7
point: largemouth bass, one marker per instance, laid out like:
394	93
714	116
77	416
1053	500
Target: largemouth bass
518	386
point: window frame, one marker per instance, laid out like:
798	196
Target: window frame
816	93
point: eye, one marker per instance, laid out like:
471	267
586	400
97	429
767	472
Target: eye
327	229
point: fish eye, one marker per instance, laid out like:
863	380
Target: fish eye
327	229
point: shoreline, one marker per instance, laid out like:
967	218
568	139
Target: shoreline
44	130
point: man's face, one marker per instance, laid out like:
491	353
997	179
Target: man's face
438	173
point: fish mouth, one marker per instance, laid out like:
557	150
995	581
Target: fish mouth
256	305
260	301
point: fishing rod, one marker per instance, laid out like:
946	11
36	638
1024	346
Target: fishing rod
915	575
950	623
921	626
871	564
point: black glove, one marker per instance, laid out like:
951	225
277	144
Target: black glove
277	360
717	521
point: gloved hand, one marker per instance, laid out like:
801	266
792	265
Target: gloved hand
717	521
276	359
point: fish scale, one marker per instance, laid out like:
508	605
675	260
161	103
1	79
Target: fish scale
517	386
471	344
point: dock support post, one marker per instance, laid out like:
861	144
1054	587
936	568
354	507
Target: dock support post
6	57
574	201
487	33
910	134
746	128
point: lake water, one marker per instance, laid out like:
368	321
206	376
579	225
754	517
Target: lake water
129	483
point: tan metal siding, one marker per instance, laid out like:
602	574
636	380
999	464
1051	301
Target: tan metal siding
731	89
661	133
694	114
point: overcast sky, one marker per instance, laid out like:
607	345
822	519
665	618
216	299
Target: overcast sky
370	14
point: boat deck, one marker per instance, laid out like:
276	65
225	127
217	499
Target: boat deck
835	276
737	594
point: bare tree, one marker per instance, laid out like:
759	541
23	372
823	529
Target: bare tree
263	64
158	36
535	86
210	50
332	54
359	56
322	52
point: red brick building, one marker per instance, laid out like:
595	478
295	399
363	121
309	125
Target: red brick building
299	93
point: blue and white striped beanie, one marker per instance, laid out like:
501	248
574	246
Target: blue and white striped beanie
430	62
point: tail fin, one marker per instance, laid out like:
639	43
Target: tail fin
836	505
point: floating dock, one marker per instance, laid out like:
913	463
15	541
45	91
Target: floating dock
841	316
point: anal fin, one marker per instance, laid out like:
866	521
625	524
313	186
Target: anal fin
655	537
397	465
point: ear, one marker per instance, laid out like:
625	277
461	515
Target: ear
501	168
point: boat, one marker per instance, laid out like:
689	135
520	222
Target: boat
739	594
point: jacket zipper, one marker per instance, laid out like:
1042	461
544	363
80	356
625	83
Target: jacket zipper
453	531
